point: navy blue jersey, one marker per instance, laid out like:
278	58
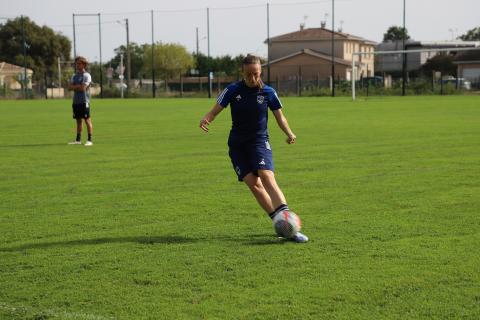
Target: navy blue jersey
249	109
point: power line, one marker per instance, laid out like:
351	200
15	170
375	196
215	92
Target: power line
124	13
239	7
307	2
217	8
83	24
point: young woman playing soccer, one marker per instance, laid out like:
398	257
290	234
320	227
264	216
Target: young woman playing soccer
80	84
249	148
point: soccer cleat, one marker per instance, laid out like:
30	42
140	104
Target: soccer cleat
75	142
299	238
88	143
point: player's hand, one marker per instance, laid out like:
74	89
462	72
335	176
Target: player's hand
291	138
204	123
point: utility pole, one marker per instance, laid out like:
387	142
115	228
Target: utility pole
129	67
153	61
198	45
404	62
209	64
333	48
100	46
59	73
74	41
24	59
268	44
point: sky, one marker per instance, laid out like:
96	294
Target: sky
238	27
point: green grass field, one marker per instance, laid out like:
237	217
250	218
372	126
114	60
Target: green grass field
150	222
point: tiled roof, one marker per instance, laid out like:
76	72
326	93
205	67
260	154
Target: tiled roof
311	34
313	53
11	68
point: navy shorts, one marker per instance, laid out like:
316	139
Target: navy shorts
81	111
251	157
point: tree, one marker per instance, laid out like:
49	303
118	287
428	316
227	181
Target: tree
395	33
203	63
171	60
136	59
44	46
471	35
230	66
440	62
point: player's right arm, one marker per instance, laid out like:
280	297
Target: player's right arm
71	85
77	87
82	86
223	100
210	116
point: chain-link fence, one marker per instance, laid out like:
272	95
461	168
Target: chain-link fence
209	30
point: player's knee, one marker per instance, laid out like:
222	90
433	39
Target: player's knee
255	185
258	187
266	174
267	177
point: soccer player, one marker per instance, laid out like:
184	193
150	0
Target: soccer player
80	84
249	148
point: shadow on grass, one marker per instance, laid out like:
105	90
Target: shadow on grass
81	242
258	239
6	146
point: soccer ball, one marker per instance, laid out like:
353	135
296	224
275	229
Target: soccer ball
286	224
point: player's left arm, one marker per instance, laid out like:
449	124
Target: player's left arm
283	124
87	80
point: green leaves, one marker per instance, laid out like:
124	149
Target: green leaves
171	60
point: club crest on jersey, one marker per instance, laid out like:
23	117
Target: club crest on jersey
260	99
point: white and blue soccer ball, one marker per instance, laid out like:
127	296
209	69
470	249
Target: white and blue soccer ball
286	224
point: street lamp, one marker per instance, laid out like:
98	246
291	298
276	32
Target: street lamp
125	23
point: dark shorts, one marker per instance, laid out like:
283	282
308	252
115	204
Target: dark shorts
81	111
248	158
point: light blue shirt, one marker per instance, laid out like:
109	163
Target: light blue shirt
82	96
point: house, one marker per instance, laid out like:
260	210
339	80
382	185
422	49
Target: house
391	63
468	66
11	76
307	53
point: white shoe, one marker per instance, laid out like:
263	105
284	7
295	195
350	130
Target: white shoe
75	142
299	238
88	143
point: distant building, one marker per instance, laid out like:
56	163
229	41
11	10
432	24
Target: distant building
11	76
468	66
393	63
308	53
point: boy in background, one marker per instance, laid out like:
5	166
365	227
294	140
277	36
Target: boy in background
80	84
